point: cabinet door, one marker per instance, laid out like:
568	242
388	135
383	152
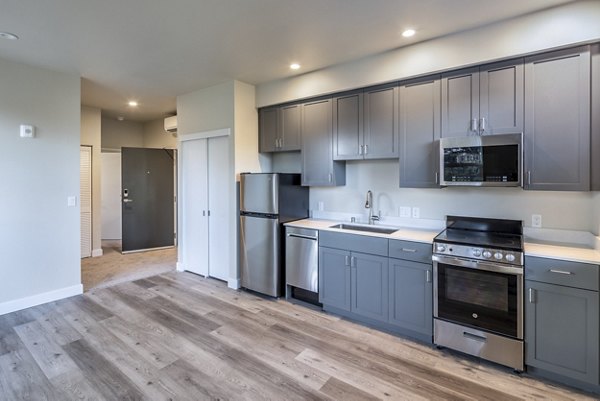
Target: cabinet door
561	330
318	168
460	103
419	132
269	130
290	128
348	127
411	296
370	285
381	123
501	91
557	121
334	278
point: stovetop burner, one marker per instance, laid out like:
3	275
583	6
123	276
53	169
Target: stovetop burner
509	242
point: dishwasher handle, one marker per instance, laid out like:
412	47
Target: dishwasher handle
303	236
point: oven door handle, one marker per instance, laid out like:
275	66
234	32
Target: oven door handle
478	265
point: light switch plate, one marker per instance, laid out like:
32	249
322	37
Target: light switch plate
536	220
416	212
71	201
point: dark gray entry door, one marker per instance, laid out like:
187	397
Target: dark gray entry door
147	198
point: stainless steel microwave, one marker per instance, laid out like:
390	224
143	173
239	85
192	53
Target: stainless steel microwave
488	160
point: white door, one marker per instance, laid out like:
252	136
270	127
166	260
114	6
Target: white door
194	204
218	204
111	195
85	196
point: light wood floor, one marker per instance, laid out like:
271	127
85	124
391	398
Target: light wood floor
114	268
181	337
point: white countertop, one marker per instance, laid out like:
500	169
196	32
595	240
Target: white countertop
575	253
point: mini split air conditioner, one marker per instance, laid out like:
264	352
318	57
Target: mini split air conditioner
171	124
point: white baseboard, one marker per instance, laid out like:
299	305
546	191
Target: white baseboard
97	252
34	300
179	267
234	283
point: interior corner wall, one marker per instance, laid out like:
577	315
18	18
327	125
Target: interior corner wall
574	22
91	135
39	232
156	137
596	214
212	109
121	134
247	157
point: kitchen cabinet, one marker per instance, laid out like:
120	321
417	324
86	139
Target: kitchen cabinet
369	280
420	126
557	121
280	128
334	278
318	166
484	100
562	318
365	124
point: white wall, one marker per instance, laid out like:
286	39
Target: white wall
562	210
573	23
91	135
155	136
596	214
122	134
39	233
111	196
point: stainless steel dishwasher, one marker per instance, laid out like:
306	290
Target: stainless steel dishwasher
302	264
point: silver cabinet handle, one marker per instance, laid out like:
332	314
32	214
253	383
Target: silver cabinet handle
437	179
127	200
366	149
353	261
208	213
482	125
347	260
360	150
303	237
204	213
428	276
560	272
531	296
474	124
475	337
529	177
409	250
281	141
330	177
276	143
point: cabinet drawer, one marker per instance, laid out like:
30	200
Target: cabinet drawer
354	242
408	250
562	272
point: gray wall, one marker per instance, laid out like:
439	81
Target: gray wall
155	136
118	134
39	233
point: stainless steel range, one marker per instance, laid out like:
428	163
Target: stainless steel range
478	288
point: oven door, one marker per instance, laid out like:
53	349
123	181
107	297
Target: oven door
479	294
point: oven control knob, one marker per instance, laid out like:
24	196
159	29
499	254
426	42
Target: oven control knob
476	253
487	254
510	258
498	255
440	248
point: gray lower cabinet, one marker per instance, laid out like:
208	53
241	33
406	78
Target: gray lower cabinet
561	330
369	285
411	296
419	126
334	278
318	166
557	120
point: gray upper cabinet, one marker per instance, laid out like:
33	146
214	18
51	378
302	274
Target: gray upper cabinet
485	100
557	121
318	167
369	285
279	128
595	118
419	126
269	129
348	127
381	122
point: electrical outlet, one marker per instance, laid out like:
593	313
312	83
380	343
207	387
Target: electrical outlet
416	212
536	220
321	206
404	211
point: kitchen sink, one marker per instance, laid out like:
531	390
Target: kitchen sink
370	229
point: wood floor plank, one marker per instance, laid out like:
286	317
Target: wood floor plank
145	283
48	354
75	386
103	375
54	324
93	308
340	390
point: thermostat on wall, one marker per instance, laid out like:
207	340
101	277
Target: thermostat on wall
27	131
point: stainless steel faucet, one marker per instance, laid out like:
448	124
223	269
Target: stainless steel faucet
369	205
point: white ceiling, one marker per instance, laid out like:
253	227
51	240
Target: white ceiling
152	51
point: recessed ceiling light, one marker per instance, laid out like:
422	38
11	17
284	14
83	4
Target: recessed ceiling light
120	118
8	35
133	103
295	66
408	33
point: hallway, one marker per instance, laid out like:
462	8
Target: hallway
113	267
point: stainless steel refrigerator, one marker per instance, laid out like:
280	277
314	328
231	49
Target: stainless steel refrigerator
267	201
